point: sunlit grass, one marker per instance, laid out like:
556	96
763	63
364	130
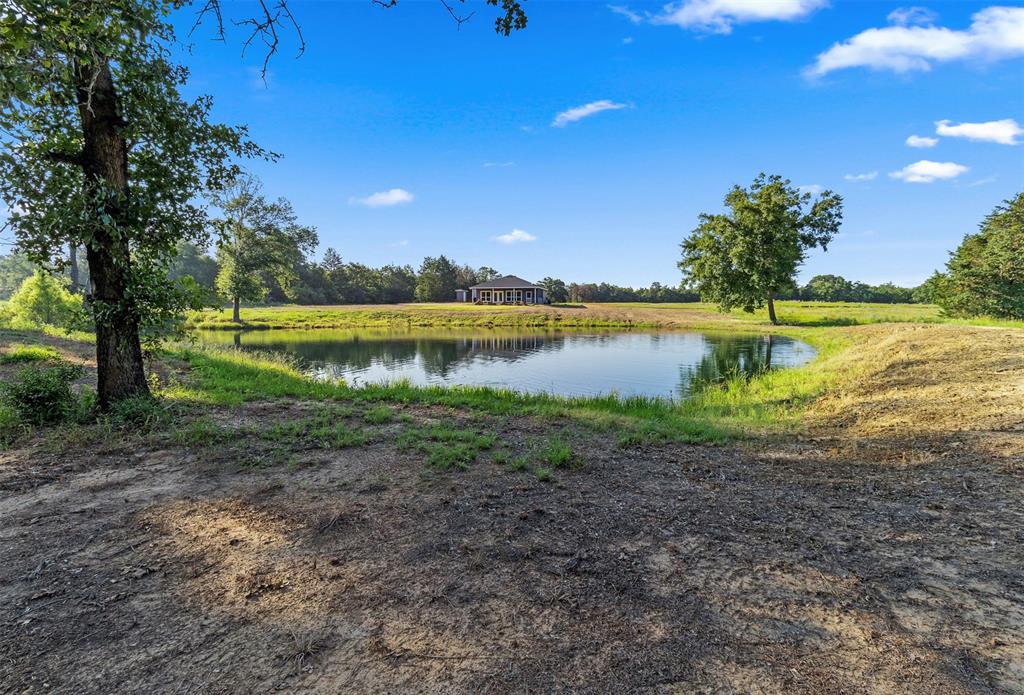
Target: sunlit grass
21	353
229	377
695	315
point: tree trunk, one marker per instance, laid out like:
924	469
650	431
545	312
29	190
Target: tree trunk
236	314
73	259
104	160
771	309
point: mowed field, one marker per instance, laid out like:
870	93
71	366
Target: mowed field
854	525
669	315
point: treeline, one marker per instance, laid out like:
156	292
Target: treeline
835	288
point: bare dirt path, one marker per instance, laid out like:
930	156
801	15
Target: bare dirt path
861	559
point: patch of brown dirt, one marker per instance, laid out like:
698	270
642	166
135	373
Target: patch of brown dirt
878	561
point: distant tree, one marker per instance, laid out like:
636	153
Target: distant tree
397	284
555	290
437	280
928	291
742	258
256	237
192	261
486	274
44	299
15	268
828	288
985	275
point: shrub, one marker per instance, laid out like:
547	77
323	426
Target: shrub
42	394
44	299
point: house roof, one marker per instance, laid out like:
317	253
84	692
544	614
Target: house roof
509	282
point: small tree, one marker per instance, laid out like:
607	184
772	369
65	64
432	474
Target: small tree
744	257
257	237
45	299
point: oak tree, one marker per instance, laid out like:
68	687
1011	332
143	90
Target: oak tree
743	257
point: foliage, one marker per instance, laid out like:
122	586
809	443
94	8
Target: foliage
19	354
985	275
45	300
555	290
42	394
190	260
835	288
742	258
257	237
605	292
437	280
15	268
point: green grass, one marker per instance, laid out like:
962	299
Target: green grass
556	453
408	316
446	447
231	377
19	353
695	315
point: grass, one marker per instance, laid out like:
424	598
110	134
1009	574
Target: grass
446	447
19	353
229	377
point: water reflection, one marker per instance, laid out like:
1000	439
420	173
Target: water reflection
669	364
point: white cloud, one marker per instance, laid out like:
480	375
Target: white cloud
394	196
719	16
995	33
926	171
869	176
399	244
627	40
516	236
499	165
580	112
921	141
627	13
906	16
982	182
812	188
1004	132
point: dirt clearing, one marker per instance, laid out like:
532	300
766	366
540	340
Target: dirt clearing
865	558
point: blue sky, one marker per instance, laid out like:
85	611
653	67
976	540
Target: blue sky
404	137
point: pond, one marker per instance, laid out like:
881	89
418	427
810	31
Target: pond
564	362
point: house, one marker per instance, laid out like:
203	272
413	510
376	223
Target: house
507	290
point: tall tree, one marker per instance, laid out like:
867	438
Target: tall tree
101	151
744	257
555	290
985	275
437	280
257	237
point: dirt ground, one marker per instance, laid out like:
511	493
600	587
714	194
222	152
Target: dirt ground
883	552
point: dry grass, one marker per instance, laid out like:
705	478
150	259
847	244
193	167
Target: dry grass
915	380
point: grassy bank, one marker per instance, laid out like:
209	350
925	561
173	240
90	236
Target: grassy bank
697	316
227	377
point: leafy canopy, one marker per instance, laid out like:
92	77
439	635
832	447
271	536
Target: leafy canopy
744	256
985	275
44	299
176	155
257	237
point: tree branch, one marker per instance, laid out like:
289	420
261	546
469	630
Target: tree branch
75	158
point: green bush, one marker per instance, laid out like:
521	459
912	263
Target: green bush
42	394
44	299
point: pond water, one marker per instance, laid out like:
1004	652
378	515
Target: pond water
564	362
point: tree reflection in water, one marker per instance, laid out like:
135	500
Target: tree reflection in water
727	358
671	364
